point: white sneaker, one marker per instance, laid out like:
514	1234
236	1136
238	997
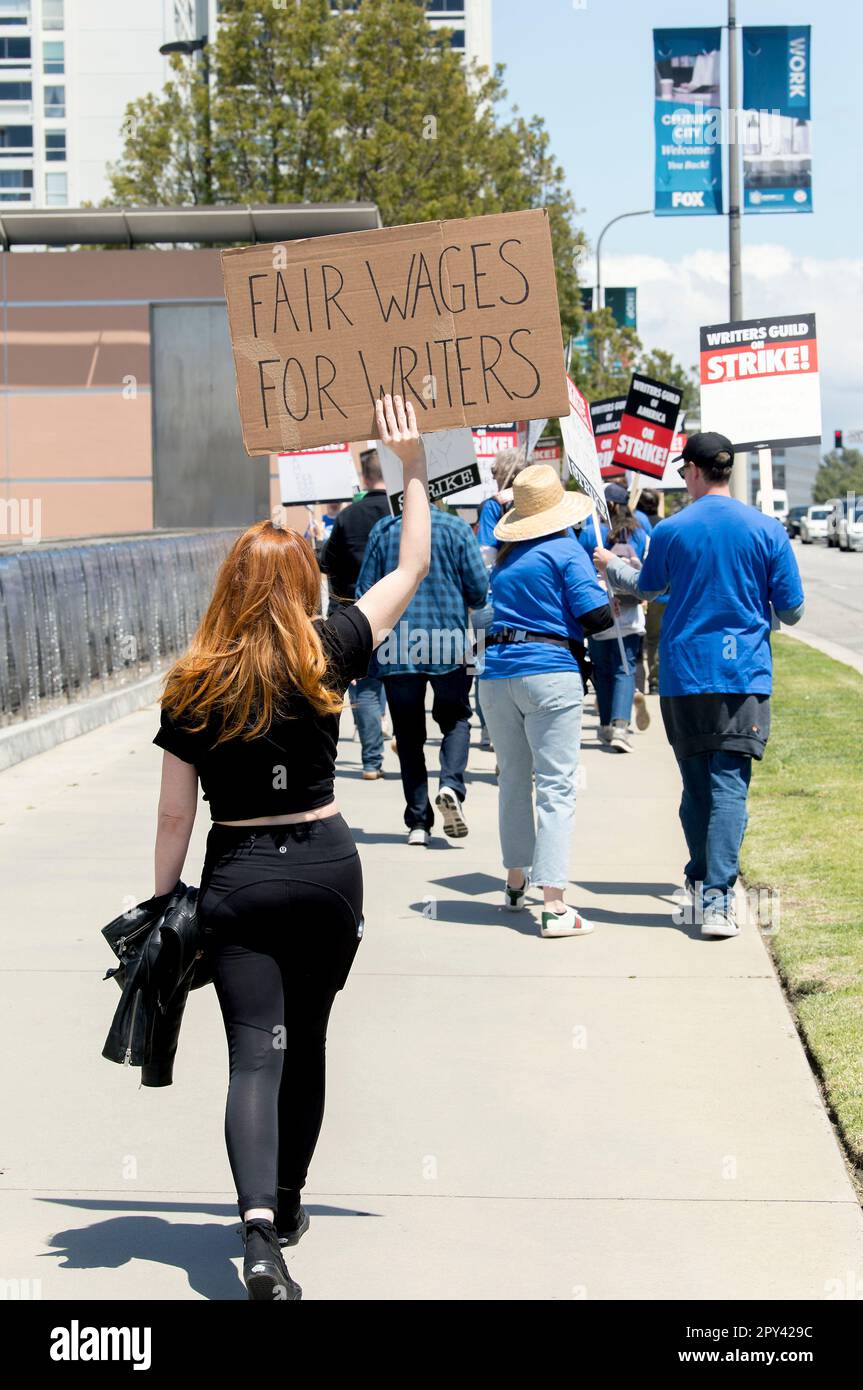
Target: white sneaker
513	898
719	924
418	836
619	740
454	824
569	923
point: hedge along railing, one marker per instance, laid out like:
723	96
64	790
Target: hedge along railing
80	619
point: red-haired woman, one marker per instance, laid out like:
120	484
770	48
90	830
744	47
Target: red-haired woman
252	710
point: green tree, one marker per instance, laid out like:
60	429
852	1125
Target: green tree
615	353
840	472
368	104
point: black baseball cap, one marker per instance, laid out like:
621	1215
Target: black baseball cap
706	447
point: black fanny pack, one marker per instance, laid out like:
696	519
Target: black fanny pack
576	648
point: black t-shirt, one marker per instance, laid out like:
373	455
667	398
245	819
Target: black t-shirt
342	555
709	723
291	767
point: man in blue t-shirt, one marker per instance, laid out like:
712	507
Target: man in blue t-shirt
729	571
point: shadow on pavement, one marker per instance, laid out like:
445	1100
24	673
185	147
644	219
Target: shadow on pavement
473	914
205	1252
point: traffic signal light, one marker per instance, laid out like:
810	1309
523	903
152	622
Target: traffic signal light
837	439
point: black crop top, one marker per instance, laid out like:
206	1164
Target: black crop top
291	767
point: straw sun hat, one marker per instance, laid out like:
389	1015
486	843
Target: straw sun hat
540	506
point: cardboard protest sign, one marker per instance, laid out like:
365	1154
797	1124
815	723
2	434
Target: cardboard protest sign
451	461
647	426
580	449
459	317
325	474
605	418
759	381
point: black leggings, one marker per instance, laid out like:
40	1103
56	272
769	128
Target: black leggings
280	907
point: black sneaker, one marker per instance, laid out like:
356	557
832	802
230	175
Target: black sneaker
292	1222
265	1273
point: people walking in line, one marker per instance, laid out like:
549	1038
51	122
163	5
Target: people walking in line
430	647
340	560
613	680
252	711
728	569
546	598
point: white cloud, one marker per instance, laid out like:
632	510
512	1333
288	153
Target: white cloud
676	297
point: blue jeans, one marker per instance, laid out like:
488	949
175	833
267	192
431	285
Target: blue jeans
368	703
535	724
713	815
614	689
406	697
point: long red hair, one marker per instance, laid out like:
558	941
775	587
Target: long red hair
256	645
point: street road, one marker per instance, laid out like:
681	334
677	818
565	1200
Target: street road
833	583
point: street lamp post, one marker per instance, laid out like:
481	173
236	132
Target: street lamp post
739	481
187	47
645	212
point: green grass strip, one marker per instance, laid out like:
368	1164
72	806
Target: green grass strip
805	841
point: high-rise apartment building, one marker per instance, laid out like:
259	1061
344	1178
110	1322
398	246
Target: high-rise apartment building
68	68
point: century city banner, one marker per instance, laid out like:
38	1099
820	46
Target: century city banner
777	147
688	121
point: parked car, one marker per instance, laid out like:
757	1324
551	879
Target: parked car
780	503
850	525
792	525
813	526
837	507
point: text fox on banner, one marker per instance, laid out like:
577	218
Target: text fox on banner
759	381
777	152
687	121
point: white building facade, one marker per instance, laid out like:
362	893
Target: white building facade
68	69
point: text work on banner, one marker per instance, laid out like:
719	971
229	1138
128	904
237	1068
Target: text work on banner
459	317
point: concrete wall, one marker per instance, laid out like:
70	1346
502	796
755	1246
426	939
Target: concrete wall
76	395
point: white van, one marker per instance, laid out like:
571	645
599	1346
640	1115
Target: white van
780	503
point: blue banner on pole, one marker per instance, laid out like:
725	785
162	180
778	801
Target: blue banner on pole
687	121
777	102
621	300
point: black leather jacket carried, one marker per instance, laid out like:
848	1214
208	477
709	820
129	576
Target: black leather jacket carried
162	956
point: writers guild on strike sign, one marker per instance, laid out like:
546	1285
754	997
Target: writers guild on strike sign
760	382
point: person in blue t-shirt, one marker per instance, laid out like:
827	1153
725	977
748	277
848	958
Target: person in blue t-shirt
546	597
728	570
507	463
617	497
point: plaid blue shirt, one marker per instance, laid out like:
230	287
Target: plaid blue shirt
432	634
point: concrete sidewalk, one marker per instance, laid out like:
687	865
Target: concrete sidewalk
630	1115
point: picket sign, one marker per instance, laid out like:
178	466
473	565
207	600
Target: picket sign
578	441
765	480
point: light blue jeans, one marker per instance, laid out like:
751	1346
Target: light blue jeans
535	724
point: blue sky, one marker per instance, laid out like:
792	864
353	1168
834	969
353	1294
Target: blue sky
588	72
